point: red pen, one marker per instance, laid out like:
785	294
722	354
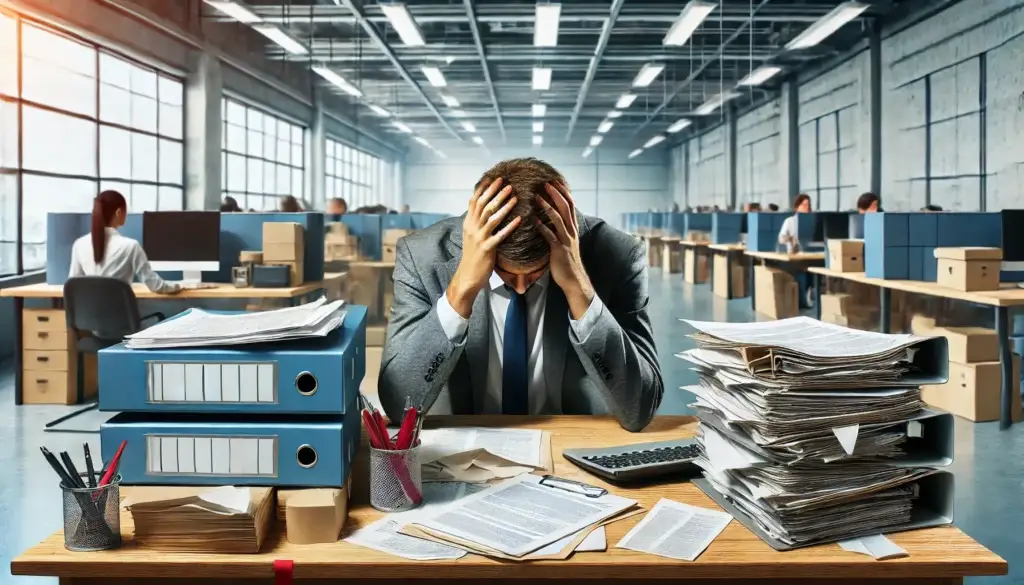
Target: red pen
372	430
382	428
405	433
111	469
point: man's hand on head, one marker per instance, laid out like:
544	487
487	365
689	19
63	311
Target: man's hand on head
563	237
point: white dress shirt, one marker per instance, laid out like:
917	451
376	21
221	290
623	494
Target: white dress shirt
124	259
544	398
787	235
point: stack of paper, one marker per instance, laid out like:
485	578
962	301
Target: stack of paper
199	328
219	520
525	518
479	455
811	432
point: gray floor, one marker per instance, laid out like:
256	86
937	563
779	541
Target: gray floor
989	469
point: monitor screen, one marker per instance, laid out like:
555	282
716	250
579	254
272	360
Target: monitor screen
743	224
835	225
182	240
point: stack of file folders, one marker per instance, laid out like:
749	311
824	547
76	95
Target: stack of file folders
814	433
202	520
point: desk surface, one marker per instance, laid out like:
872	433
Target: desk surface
935	553
222	291
1009	294
727	247
695	244
783	257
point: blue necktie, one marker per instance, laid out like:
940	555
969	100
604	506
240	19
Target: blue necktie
515	398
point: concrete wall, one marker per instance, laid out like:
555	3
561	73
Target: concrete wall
708	178
605	184
759	174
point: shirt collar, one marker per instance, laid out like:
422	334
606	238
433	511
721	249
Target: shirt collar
497	283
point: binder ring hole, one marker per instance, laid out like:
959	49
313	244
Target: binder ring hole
305	455
306	383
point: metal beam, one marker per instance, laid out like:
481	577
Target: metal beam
385	48
602	44
471	14
325	50
686	82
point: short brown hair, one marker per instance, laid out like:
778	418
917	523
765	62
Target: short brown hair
799	199
528	177
289	204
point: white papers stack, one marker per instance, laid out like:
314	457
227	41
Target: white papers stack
479	455
199	328
804	424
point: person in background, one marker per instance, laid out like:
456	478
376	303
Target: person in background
290	204
788	238
229	205
773	207
337	206
749	207
105	252
405	208
931	208
868	203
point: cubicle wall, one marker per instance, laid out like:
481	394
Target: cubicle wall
370	228
239	231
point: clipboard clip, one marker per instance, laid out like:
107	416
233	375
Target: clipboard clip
576	487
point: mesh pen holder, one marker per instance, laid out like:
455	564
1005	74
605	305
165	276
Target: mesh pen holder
92	517
396	482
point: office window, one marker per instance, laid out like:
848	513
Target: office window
355	176
263	157
829	169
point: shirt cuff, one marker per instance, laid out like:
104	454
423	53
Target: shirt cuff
452	323
582	329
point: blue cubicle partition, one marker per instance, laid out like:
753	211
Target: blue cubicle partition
425	220
239	231
726	227
763	230
700	222
677	224
901	246
370	228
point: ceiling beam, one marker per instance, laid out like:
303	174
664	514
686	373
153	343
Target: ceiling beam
324	50
471	14
385	48
686	82
602	44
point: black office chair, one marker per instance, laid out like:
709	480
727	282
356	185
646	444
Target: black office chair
100	312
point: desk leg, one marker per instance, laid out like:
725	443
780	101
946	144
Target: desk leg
19	359
883	309
750	284
818	281
728	276
1006	365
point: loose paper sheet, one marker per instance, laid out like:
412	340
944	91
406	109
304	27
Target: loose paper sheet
521	446
877	546
676	530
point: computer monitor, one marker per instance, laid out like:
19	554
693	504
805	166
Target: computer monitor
186	241
855	226
830	225
743	224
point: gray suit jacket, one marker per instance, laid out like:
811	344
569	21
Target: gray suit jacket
615	370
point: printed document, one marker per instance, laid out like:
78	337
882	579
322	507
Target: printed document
522	446
675	530
522	515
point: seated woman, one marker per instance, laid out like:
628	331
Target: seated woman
105	252
788	239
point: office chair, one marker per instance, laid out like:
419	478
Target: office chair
100	312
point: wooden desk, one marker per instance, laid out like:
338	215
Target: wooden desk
937	556
54	293
723	287
1002	300
797	261
692	254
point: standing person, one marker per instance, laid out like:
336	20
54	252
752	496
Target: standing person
522	306
105	252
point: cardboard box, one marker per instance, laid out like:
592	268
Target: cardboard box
254	256
375	335
969	269
654	250
974	391
672	258
697	236
314	516
374	355
695	266
293	252
724	265
391	236
835	303
967	345
846	255
337	228
777	293
282	232
388	253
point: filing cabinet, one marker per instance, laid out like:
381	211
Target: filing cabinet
49	360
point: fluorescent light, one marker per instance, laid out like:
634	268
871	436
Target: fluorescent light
716	102
647	74
539	110
827	25
458	113
625	101
235	10
403	127
478	140
614	114
380	111
545	27
538	127
654	141
449	101
434	75
596	140
636	153
679	125
689	20
605	126
541	78
337	80
399	17
421	140
760	75
468	126
538	140
283	39
439	153
587	152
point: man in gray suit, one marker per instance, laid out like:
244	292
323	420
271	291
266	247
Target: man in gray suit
521	306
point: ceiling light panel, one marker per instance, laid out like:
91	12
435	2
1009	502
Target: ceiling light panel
636	153
422	141
380	111
614	114
587	152
545	28
605	126
648	73
716	102
283	39
478	140
434	75
538	127
400	19
654	141
337	80
538	140
596	140
827	25
449	101
239	12
689	20
625	101
760	75
541	78
468	126
539	110
678	126
402	127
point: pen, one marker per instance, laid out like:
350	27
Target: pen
61	472
372	430
405	432
88	466
111	472
72	471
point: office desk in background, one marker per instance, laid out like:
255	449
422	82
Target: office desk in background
726	281
792	263
44	331
937	555
1002	301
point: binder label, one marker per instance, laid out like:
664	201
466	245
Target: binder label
211	455
200	382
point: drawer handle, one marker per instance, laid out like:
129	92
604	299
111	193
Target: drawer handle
43	334
41	380
43	319
42	358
